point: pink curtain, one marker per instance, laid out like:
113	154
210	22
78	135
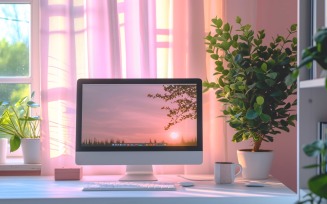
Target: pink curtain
118	39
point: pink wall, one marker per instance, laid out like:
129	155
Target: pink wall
275	17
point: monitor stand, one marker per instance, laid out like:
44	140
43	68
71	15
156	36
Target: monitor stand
139	173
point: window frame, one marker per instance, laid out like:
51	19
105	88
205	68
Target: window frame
34	62
34	78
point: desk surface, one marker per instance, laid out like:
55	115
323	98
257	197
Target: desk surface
38	189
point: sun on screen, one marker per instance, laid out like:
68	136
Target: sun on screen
174	135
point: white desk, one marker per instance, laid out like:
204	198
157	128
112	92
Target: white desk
37	190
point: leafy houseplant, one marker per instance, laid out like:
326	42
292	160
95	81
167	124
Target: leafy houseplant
251	80
17	123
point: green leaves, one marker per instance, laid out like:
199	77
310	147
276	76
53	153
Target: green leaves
318	185
217	22
272	75
270	82
316	53
264	67
14	143
293	27
257	111
226	27
314	149
17	123
265	118
238	19
225	45
251	114
214	56
257	42
32	104
14	59
260	100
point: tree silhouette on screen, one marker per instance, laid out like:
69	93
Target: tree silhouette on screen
183	103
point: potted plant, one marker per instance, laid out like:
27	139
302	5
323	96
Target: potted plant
317	184
3	149
17	122
3	140
251	84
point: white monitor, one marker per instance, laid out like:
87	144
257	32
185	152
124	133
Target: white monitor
139	123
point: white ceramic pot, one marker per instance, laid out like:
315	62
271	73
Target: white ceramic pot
256	165
31	150
3	150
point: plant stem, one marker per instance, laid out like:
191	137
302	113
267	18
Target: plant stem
257	145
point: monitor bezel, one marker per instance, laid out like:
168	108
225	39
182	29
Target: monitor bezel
79	103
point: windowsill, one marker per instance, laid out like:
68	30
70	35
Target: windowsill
15	166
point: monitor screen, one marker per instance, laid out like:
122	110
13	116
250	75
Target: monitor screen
139	121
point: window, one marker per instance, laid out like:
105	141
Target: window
19	64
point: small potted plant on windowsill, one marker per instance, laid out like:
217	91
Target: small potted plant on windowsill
22	128
3	149
251	84
3	140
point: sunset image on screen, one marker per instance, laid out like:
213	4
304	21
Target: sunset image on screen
139	115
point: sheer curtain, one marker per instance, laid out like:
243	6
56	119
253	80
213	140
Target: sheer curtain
120	39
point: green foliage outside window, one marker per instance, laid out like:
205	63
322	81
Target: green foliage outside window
14	59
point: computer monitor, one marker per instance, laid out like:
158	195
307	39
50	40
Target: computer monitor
139	123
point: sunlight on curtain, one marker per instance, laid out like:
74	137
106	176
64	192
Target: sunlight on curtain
120	39
163	37
58	76
121	23
215	127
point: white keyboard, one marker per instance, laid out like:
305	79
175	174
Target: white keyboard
129	186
